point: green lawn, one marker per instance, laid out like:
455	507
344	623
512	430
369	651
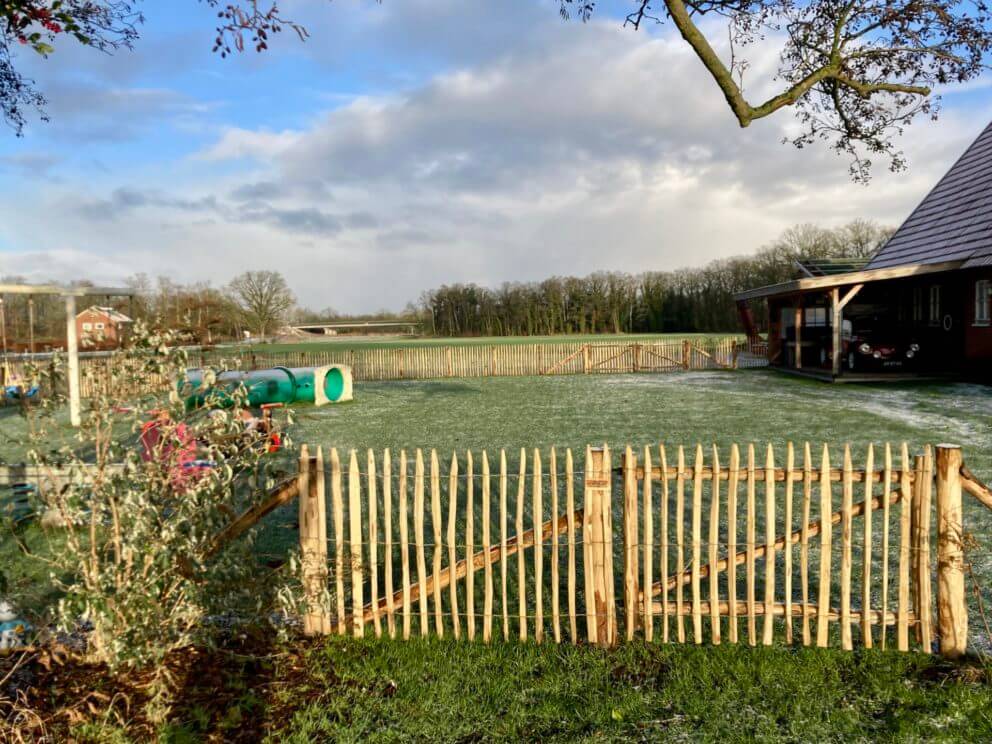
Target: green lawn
353	690
346	690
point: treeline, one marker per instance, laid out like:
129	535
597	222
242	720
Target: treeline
682	301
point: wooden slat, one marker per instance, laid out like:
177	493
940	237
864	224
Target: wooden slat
905	520
866	638
846	537
608	575
505	605
456	623
714	540
630	579
537	517
355	517
924	583
487	607
647	611
521	562
387	527
768	628
588	567
732	484
436	524
405	546
790	463
555	555
373	519
804	539
470	544
680	541
886	488
418	536
826	537
697	552
752	630
337	506
664	541
573	621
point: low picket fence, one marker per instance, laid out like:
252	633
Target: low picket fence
707	549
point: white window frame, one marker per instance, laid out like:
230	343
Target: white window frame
87	326
983	293
935	304
98	326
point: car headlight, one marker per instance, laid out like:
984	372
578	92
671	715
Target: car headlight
914	348
910	354
865	349
877	355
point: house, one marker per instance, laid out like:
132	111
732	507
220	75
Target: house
920	306
102	328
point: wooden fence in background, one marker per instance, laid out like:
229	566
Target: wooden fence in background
471	360
746	549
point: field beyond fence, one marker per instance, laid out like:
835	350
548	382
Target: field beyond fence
471	360
748	549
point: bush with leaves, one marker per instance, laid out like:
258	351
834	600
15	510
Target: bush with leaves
144	491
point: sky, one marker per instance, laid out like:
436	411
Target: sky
413	143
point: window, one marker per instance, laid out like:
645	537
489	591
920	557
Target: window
99	326
816	317
917	304
983	290
87	326
935	305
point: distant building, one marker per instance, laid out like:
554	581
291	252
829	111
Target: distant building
102	328
923	303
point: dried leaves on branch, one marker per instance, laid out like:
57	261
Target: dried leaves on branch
857	72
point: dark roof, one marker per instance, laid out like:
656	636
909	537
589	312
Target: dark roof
954	221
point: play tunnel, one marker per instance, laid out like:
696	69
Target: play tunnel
317	385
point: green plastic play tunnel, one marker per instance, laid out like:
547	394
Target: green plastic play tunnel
317	385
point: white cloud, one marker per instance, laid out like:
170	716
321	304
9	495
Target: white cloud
569	149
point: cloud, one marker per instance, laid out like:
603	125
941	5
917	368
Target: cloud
561	149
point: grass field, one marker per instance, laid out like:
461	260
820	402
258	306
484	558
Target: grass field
340	343
351	690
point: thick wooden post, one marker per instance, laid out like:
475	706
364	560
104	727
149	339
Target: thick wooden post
799	333
599	553
313	544
837	319
686	354
952	606
72	350
585	359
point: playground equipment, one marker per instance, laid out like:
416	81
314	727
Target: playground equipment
317	385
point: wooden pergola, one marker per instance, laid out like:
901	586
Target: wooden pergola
72	340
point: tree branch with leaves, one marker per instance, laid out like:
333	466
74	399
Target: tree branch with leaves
857	72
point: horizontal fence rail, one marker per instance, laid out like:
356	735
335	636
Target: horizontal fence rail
746	546
439	361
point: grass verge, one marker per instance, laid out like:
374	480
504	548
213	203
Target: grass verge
345	690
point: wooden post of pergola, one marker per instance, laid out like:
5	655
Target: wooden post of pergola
71	337
799	332
837	305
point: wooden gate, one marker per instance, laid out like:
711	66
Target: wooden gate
809	550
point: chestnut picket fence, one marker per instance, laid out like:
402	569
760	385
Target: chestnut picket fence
665	544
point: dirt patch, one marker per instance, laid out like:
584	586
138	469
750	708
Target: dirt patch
230	693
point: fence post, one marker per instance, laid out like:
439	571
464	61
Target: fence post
631	589
686	354
585	359
598	535
313	544
952	606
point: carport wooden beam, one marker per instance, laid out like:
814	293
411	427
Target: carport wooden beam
837	305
